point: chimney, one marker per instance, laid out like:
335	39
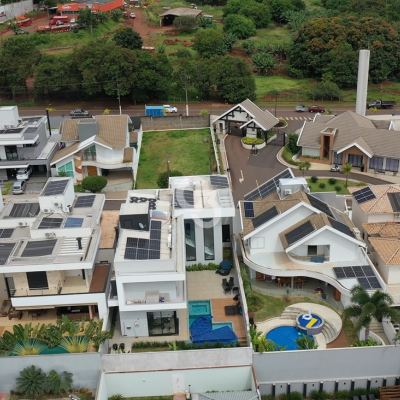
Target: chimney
79	240
362	82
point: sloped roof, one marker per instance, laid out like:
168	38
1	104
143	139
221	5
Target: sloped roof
380	204
388	249
181	11
351	126
65	152
383	229
362	144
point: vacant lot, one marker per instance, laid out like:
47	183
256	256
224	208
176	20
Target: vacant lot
187	152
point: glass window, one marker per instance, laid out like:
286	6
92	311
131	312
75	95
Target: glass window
208	231
337	158
226	233
392	165
312	250
376	163
355	160
190	240
68	169
164	323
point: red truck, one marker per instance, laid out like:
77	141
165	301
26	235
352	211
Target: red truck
21	23
53	29
62	18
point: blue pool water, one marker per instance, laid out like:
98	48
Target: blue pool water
217	325
284	336
304	322
201	308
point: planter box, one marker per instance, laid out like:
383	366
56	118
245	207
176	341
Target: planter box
250	146
314	160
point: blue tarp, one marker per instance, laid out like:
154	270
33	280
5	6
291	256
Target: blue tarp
201	332
155	111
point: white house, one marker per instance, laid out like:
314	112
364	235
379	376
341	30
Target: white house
48	248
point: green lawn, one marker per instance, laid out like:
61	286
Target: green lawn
331	187
273	36
185	150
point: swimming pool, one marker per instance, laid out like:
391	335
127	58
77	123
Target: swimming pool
200	308
310	323
216	325
285	336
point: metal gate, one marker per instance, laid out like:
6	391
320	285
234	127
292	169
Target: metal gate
280	139
234	129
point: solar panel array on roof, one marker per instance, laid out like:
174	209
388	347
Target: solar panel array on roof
299	232
54	188
319	205
394	199
22	210
268	187
248	209
341	227
265	217
219	180
145	249
6	233
11	130
184	198
31	119
85	201
39	248
49	223
363	195
5	251
73	222
364	274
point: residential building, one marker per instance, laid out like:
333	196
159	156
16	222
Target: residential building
351	138
160	232
96	146
24	142
48	251
289	233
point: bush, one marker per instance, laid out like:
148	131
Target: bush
94	183
184	53
338	188
314	179
202	267
240	26
291	396
361	184
185	23
322	185
332	181
162	180
248	140
293	137
31	381
287	156
316	395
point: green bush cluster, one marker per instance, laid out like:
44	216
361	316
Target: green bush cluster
332	181
314	179
312	157
180	345
322	185
202	267
287	156
248	140
362	183
338	188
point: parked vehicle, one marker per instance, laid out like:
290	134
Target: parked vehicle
24	174
316	109
62	18
72	21
21	32
381	104
20	23
170	109
79	113
19	187
301	108
53	29
132	15
58	23
336	168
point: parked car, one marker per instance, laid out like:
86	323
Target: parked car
79	113
316	109
73	21
170	109
132	15
336	168
301	108
24	174
19	187
21	32
58	23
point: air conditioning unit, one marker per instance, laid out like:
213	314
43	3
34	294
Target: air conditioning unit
20	223
50	235
357	233
397	214
56	204
46	210
287	191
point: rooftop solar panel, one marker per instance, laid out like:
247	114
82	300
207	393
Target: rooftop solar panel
363	195
339	272
85	201
364	283
49	223
248	209
73	222
54	188
341	227
349	272
184	198
265	217
373	281
299	232
39	248
24	210
319	205
6	233
5	251
219	180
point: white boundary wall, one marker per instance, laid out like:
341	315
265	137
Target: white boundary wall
14	9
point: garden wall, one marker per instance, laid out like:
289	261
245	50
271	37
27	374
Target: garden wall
9	11
85	368
175	122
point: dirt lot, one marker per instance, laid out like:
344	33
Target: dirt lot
37	20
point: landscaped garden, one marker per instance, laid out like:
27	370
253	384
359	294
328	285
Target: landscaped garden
331	185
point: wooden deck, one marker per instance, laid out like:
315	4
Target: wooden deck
339	342
218	311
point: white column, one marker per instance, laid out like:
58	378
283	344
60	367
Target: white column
362	82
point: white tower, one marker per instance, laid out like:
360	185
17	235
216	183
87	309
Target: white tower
362	82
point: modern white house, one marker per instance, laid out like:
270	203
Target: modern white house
97	146
48	249
289	233
160	232
24	142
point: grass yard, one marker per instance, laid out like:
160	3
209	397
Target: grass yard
273	36
329	187
185	149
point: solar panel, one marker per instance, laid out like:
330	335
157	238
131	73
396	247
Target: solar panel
49	223
155	225
319	205
394	199
248	209
298	233
368	271
349	272
359	271
24	210
339	272
373	281
219	180
54	188
364	283
364	273
155	234
130	253
184	198
341	227
145	249
5	251
39	248
85	201
363	195
265	217
6	233
73	222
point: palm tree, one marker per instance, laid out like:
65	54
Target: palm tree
366	306
31	381
304	166
59	383
346	171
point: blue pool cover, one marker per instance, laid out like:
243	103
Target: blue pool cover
201	332
285	336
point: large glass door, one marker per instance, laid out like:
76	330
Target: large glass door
162	323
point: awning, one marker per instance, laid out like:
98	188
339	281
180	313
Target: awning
14	166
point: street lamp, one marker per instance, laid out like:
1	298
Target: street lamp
276	94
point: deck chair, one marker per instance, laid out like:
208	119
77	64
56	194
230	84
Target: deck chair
231	282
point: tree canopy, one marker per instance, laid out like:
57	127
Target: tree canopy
128	38
209	42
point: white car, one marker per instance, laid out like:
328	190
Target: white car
72	21
170	109
23	174
132	15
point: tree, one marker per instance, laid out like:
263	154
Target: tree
128	39
31	381
209	42
230	39
304	166
116	14
162	180
325	90
240	26
264	62
185	23
86	17
346	171
59	383
94	183
260	14
292	144
280	8
366	306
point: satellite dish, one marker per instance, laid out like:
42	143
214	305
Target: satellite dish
141	226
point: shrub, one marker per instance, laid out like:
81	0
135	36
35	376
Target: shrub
202	267
184	53
322	185
287	156
332	181
316	395
31	381
162	180
291	396
240	26
185	23
293	137
314	179
94	183
361	184
338	188
59	383
116	396
248	140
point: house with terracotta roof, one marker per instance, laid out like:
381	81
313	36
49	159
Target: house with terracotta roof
96	146
351	138
245	119
288	232
73	7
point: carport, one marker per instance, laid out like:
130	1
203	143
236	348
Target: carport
167	18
